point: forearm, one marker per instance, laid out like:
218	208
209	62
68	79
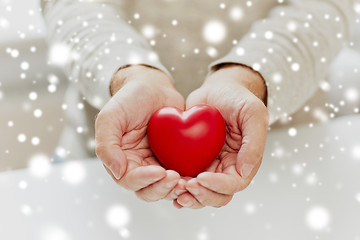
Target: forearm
99	41
293	49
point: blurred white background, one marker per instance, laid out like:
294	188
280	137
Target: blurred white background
31	92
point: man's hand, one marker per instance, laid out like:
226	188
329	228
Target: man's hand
120	132
239	94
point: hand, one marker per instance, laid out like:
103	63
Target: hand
238	93
120	132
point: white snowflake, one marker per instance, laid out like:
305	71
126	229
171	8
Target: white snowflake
214	32
35	141
236	13
39	165
118	216
292	132
21	138
318	218
73	173
59	54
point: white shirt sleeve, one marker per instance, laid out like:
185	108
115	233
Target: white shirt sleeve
98	42
293	48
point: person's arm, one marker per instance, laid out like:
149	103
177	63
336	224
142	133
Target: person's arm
104	46
290	51
293	48
99	41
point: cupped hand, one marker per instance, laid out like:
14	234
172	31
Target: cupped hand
120	132
238	93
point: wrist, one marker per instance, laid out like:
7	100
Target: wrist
240	74
138	73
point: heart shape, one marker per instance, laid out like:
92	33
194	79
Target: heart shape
187	141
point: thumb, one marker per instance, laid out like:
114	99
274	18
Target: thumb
195	98
254	131
113	159
107	145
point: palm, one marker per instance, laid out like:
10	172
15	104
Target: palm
242	112
226	160
133	123
121	132
136	149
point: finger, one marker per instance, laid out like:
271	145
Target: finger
176	204
194	98
207	197
188	201
107	138
223	183
177	190
254	129
110	173
160	189
141	177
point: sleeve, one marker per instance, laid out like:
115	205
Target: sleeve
293	48
90	40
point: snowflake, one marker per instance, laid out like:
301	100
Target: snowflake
203	234
73	173
118	216
212	52
356	152
295	67
352	94
37	113
214	32
59	54
174	22
250	208
35	141
33	96
23	184
318	218
236	13
40	166
148	31
21	138
124	233
292	132
52	231
26	210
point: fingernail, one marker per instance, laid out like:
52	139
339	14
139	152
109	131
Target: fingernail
115	169
186	204
246	170
178	192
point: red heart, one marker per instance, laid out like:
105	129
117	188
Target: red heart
187	141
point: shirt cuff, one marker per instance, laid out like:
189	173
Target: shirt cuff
96	73
280	102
